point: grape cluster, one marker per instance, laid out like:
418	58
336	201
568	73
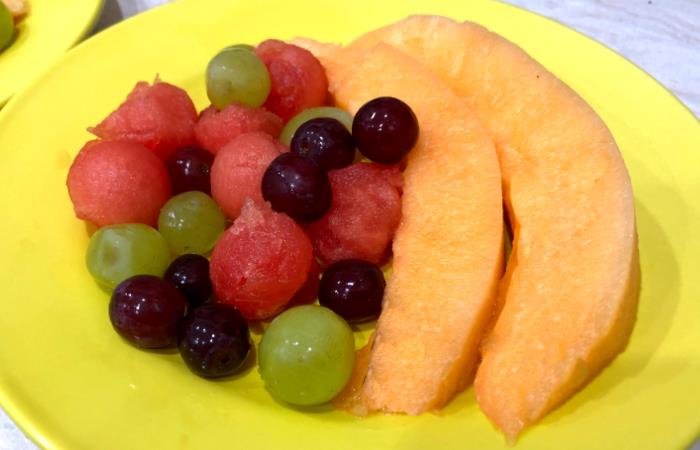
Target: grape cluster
384	130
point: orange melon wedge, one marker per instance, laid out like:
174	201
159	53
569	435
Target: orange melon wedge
448	248
570	292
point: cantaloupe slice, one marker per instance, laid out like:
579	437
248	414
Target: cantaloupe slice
448	248
571	288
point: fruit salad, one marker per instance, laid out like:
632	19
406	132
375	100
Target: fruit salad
282	204
248	211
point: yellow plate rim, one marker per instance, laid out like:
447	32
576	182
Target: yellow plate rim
49	438
70	37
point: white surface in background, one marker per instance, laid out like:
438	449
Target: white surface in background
660	36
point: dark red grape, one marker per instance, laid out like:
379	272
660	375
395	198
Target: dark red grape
326	142
353	289
189	169
145	310
214	340
385	130
295	185
189	273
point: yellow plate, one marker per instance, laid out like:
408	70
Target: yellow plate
50	28
72	383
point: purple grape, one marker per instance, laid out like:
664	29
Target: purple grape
385	130
189	273
326	142
353	289
295	185
145	310
189	169
214	340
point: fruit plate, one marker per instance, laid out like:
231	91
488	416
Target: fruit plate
70	382
49	29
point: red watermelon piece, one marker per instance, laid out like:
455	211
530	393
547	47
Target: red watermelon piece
364	214
117	182
260	262
238	169
298	80
159	116
217	128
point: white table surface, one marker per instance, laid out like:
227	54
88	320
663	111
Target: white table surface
660	36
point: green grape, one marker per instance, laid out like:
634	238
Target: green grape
307	355
117	252
7	26
338	114
243	46
237	75
191	222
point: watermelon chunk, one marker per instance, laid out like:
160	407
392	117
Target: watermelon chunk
364	214
238	169
159	116
117	182
260	262
298	78
217	128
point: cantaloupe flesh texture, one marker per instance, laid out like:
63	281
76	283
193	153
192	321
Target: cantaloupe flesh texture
570	293
448	248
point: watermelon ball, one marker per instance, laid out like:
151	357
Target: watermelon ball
117	182
298	78
159	116
238	169
217	128
260	262
364	214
